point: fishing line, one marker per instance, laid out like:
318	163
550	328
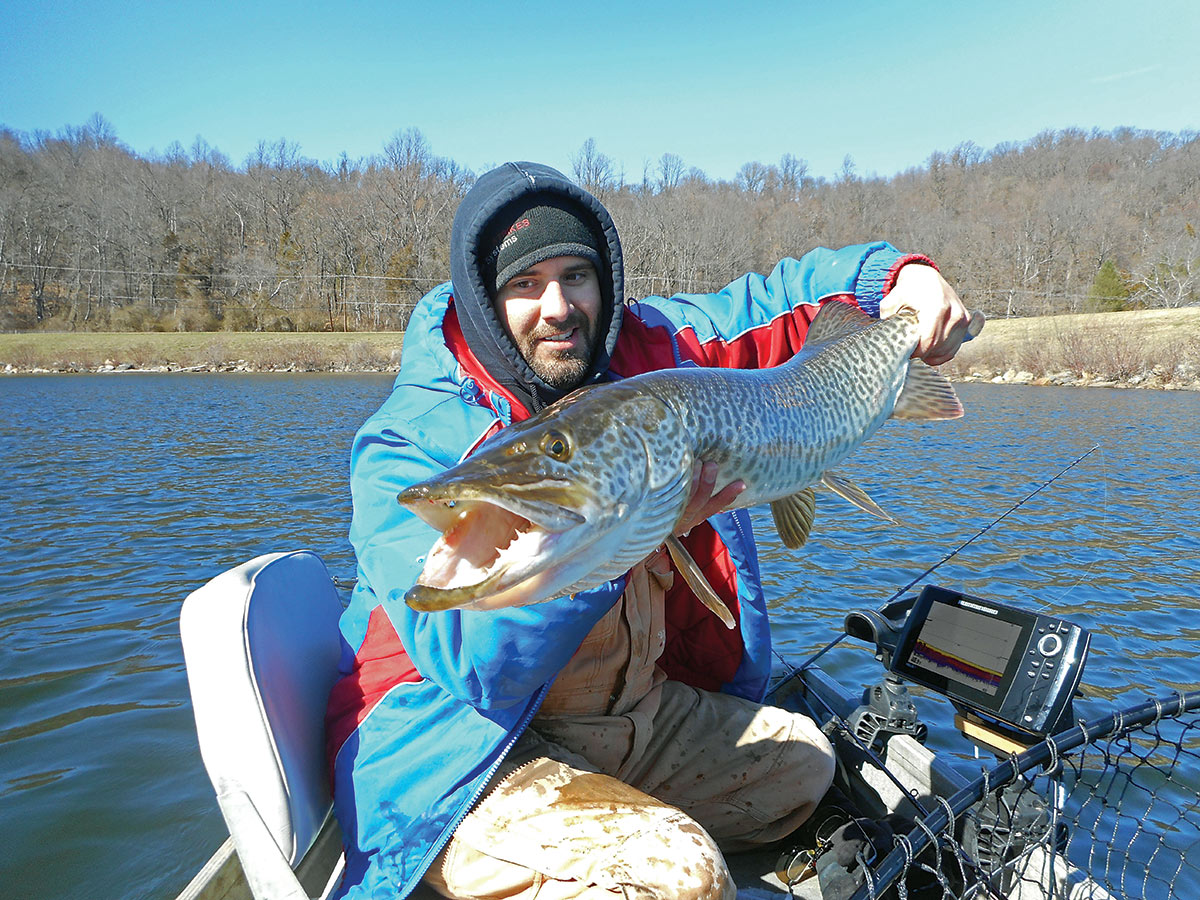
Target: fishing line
1087	570
988	527
793	671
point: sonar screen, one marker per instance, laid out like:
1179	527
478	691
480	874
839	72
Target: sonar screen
965	646
1016	667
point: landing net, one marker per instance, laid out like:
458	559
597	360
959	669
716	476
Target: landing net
1109	809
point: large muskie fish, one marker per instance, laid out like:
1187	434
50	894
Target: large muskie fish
581	492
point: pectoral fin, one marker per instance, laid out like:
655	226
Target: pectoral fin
794	517
697	582
852	493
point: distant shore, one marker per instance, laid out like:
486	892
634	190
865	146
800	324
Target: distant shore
44	353
1139	349
1157	349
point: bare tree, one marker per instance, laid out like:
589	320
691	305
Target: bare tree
793	177
94	236
753	178
1170	277
670	171
593	170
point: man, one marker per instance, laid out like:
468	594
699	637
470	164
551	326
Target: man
609	743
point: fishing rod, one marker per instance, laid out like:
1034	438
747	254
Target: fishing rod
837	720
794	672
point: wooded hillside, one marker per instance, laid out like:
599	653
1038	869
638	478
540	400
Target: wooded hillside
95	237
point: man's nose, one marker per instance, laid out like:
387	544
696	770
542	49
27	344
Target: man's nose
554	303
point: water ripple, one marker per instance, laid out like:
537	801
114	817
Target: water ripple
154	486
158	483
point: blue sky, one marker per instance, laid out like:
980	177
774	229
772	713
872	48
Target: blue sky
719	84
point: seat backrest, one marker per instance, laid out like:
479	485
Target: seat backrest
261	646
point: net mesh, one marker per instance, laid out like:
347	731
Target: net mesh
1110	809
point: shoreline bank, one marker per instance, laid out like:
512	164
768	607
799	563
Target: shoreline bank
1149	380
1141	381
111	367
1146	349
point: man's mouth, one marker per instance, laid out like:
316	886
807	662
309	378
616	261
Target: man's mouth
561	339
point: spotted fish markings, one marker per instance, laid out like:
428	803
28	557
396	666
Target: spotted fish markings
577	495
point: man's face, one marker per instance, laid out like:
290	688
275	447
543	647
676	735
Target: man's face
551	311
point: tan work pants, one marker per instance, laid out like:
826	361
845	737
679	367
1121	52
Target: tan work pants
627	783
575	813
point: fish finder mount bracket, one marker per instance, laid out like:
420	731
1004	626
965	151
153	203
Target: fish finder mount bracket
887	707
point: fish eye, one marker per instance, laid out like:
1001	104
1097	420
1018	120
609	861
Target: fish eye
556	446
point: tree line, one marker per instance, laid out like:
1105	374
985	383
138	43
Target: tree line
96	237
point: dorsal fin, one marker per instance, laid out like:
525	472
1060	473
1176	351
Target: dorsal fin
836	319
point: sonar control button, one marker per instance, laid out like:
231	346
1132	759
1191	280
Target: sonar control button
1050	645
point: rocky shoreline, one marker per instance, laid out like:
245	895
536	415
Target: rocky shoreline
1157	379
363	363
1148	349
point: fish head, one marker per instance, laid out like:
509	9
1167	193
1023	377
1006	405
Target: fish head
553	501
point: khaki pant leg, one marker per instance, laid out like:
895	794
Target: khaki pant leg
749	774
553	828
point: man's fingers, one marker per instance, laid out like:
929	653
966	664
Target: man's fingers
703	502
944	346
943	342
728	494
943	320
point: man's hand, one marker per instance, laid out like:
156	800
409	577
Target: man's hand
702	503
943	320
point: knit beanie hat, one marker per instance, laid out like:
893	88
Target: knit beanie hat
537	228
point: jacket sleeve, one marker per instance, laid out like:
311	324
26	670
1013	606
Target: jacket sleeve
490	659
759	321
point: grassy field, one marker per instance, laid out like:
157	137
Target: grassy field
274	351
1151	347
1141	346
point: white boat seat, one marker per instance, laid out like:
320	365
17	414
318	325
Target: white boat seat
261	646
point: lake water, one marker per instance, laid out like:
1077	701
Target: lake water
121	494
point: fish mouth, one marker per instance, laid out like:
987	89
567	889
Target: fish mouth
490	542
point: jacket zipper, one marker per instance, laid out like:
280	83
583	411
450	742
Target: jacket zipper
747	540
513	737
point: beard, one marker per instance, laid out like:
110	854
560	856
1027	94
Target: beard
562	370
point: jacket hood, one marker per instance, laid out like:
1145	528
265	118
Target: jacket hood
481	328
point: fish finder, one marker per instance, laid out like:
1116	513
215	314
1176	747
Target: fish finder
1012	667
